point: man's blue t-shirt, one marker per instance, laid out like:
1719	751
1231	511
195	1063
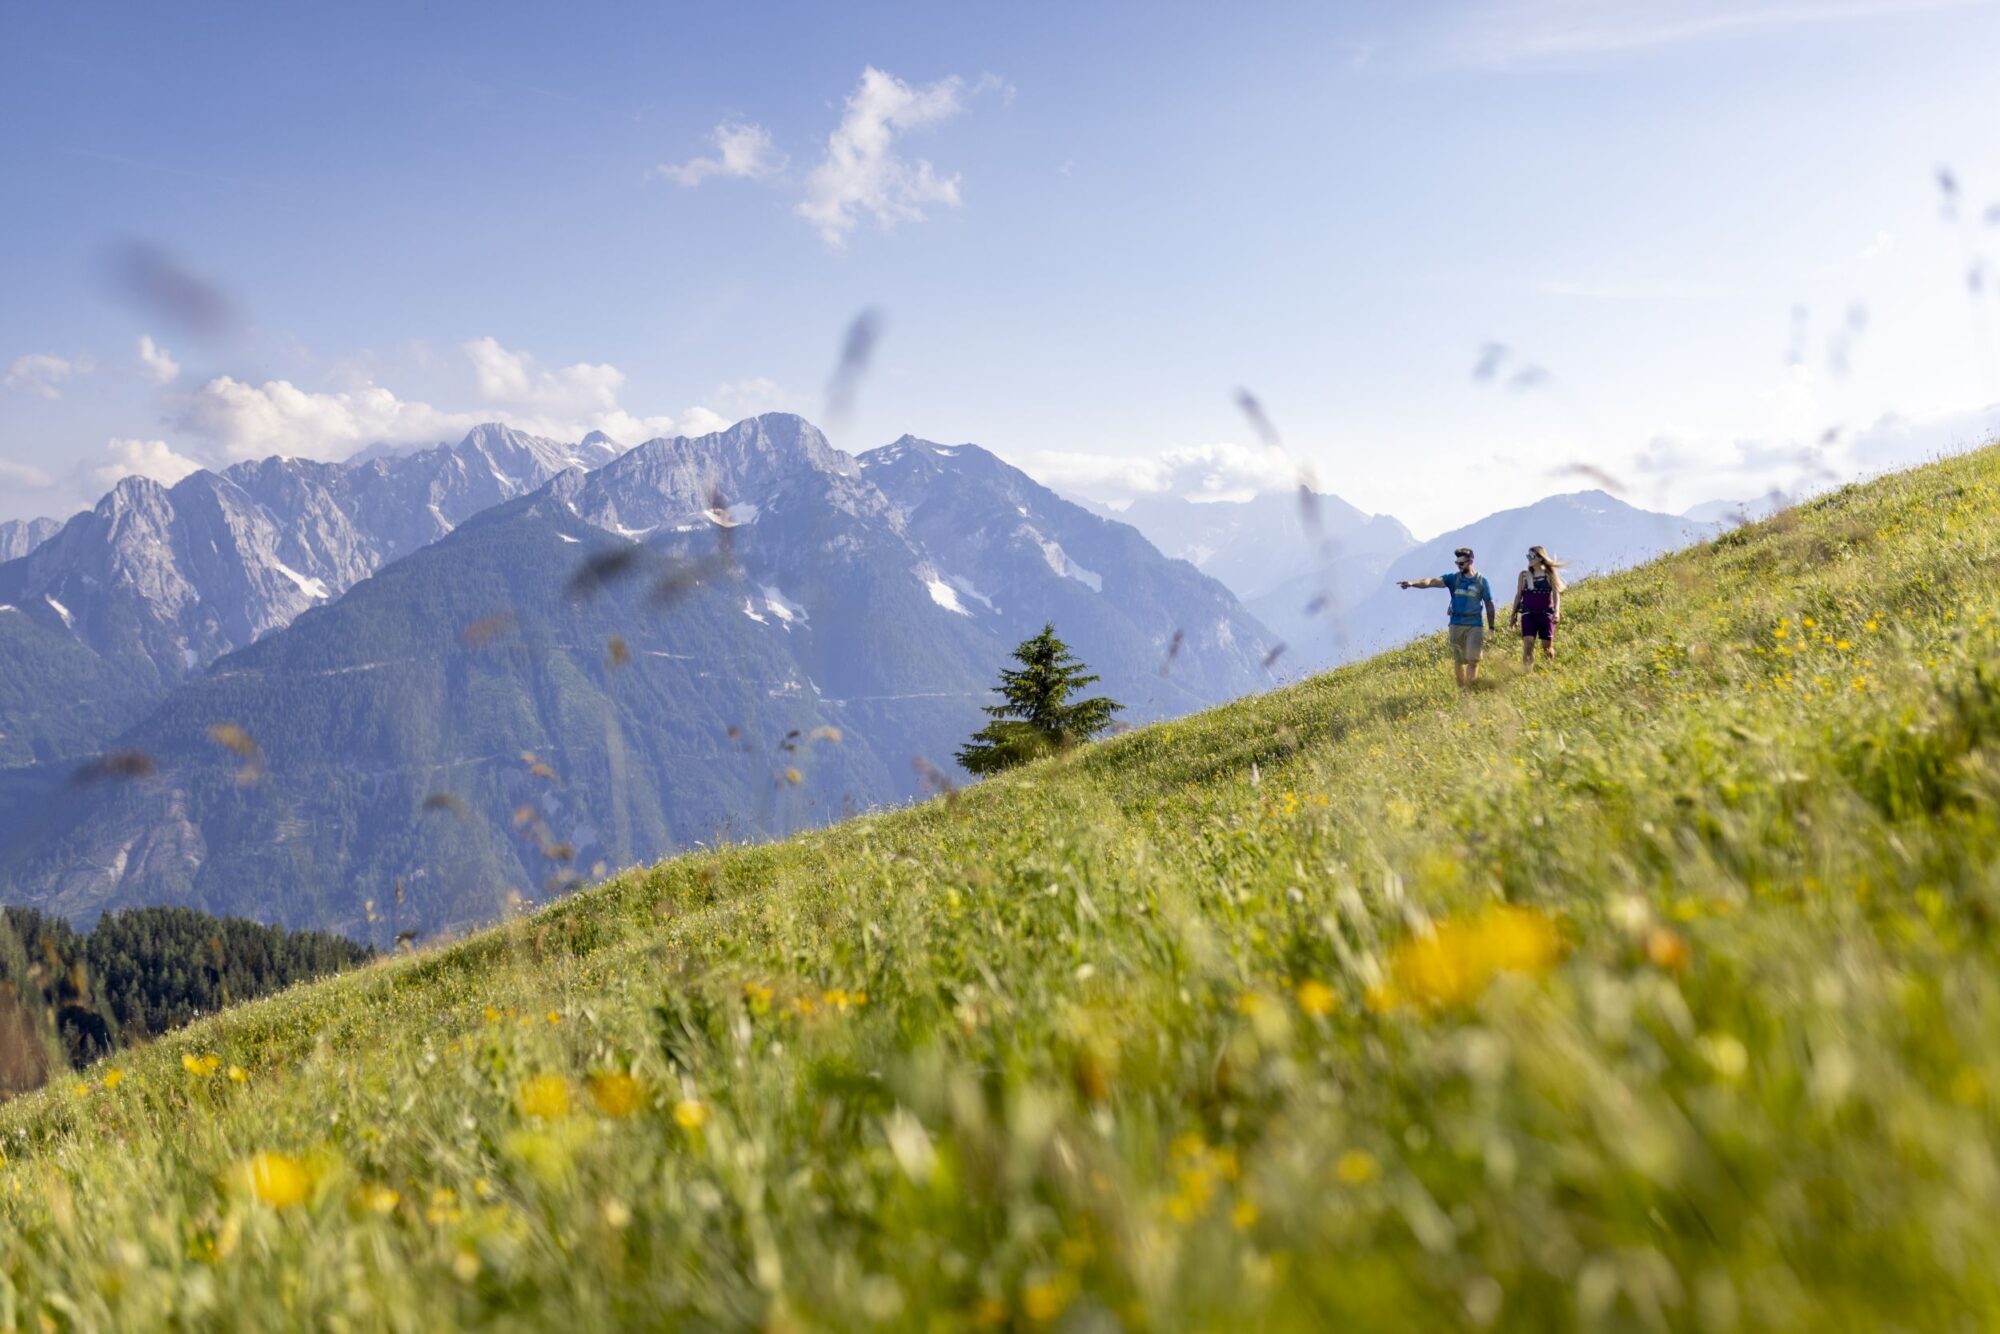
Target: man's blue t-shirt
1469	595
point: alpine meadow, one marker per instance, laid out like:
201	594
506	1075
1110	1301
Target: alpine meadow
1657	990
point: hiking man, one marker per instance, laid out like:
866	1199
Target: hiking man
1469	591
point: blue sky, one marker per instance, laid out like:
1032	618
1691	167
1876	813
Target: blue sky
1710	236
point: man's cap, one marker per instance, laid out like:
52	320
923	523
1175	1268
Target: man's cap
1463	551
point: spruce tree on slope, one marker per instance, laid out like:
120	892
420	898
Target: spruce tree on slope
1037	716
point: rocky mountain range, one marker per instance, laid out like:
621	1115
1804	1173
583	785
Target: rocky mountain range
20	536
727	636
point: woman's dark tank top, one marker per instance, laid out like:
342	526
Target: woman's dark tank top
1537	597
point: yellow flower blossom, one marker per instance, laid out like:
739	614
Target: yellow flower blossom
204	1065
380	1199
757	997
238	1075
690	1114
1243	1216
1317	998
1456	961
1357	1167
616	1094
545	1097
274	1179
113	1078
1044	1301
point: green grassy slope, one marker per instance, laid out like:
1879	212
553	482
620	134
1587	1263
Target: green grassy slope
1149	1035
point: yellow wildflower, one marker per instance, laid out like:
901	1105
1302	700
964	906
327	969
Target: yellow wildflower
1454	963
113	1078
690	1114
1317	999
1044	1301
380	1199
238	1075
274	1179
204	1065
616	1094
1357	1167
82	1089
545	1097
1244	1215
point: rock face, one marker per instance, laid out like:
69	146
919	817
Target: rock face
159	581
20	536
730	636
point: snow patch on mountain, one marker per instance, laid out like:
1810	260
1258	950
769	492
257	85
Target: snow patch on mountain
781	606
312	588
944	594
60	610
1060	562
966	586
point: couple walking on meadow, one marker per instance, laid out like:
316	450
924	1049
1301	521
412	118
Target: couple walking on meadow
1537	605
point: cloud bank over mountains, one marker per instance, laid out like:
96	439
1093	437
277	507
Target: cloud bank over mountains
226	420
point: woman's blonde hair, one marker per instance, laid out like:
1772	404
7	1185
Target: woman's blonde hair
1555	566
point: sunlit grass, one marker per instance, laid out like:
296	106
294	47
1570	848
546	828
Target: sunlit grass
1658	989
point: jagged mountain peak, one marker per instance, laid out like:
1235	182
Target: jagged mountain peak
909	451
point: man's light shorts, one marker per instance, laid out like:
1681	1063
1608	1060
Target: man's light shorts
1467	642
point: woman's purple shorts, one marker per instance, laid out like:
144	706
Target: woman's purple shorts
1538	625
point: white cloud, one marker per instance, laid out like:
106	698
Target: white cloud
1514	33
742	150
861	175
25	475
159	365
143	458
277	417
42	374
240	420
516	380
1199	472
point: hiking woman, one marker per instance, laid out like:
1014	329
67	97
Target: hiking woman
1538	605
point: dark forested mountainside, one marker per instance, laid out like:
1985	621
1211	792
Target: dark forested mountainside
142	972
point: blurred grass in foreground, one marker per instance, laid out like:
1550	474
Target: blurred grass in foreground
1655	991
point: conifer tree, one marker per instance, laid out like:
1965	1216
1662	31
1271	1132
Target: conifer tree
1037	715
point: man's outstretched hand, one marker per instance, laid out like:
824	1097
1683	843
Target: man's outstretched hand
1402	583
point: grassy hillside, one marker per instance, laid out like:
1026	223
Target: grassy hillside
1656	991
